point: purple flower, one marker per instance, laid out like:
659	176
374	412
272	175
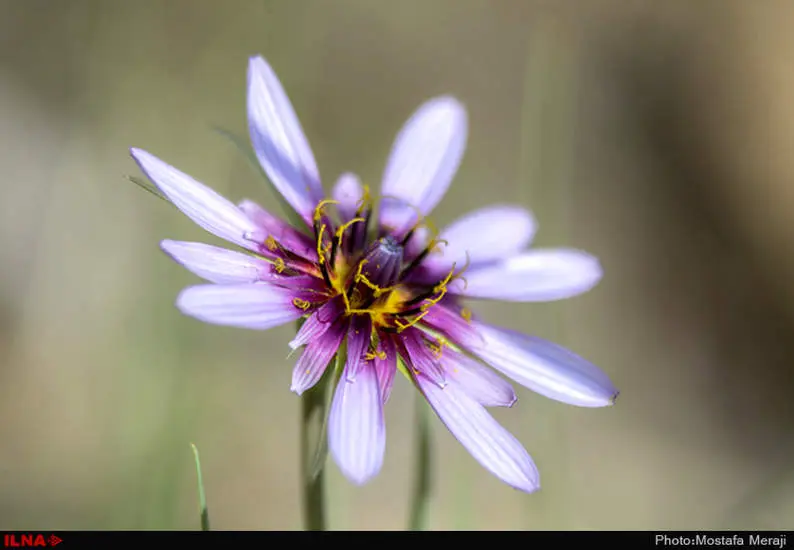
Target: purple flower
371	274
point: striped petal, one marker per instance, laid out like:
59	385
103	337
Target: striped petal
534	276
356	429
488	442
205	207
487	234
423	161
256	306
315	358
545	368
478	381
216	264
279	141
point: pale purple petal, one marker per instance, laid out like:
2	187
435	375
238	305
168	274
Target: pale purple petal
316	325
449	319
257	306
478	381
423	161
487	441
419	358
284	234
534	276
315	358
215	264
386	367
279	141
356	430
205	207
358	338
490	233
348	193
546	368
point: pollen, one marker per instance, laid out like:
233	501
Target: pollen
279	265
271	243
301	304
466	314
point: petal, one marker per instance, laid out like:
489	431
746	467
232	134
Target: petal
478	381
535	276
315	358
419	358
546	368
279	141
358	338
347	192
284	234
488	442
490	233
215	264
316	325
454	322
423	161
386	367
356	430
257	306
198	202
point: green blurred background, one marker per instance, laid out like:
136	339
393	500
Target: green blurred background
657	135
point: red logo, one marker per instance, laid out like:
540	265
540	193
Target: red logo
29	540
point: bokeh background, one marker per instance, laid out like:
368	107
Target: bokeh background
657	135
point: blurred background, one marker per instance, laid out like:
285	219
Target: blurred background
656	135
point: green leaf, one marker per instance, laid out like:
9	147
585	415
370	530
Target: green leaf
205	517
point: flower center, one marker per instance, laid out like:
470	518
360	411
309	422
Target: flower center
371	274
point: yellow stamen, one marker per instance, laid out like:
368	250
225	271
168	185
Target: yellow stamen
271	243
301	304
402	326
434	248
344	226
279	265
321	250
318	210
365	201
437	347
375	354
466	314
378	291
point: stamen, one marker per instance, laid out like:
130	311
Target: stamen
466	314
437	346
365	201
279	265
271	243
402	326
301	304
321	256
337	242
318	210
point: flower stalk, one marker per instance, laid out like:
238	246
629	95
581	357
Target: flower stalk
420	498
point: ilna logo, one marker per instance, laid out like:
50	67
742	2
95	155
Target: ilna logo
29	540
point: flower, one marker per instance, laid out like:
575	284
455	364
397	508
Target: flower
372	274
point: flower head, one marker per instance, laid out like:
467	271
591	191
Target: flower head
375	275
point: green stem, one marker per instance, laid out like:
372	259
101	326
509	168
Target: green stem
205	516
313	402
420	499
